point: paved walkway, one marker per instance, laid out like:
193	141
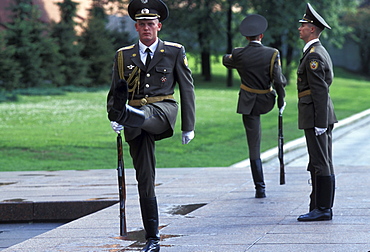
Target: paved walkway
213	209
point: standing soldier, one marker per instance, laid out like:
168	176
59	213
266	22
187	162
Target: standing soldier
145	74
259	69
316	115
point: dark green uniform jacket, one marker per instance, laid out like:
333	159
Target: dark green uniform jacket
168	66
315	73
253	64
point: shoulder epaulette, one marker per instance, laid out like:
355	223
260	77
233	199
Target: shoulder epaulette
312	50
172	44
126	48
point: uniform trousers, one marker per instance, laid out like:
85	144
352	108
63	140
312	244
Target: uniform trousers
142	148
320	152
252	125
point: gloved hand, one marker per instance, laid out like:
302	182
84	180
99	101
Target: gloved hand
319	131
187	136
116	126
281	109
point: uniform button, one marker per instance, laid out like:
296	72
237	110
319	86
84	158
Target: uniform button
148	75
147	85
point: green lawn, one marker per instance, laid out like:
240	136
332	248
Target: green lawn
72	131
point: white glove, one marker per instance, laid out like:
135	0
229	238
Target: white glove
187	136
281	110
319	131
116	127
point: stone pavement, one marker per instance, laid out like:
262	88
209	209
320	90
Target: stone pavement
213	209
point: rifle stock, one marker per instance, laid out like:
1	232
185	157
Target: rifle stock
281	150
121	187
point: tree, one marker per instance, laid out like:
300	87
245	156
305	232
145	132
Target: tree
35	52
360	34
9	69
283	17
72	65
97	46
234	12
197	25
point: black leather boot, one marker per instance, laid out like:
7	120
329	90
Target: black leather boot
324	199
257	174
149	214
121	112
313	191
333	193
120	96
131	117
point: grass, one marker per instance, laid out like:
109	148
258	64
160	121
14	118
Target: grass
72	131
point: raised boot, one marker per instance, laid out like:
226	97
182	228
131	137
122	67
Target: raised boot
131	117
149	214
121	112
324	199
257	174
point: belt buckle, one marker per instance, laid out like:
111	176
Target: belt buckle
143	101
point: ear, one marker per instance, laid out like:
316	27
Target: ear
159	26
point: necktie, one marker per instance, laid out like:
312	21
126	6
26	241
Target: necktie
148	58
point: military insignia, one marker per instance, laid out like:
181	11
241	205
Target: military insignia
162	50
145	11
134	55
172	44
163	79
314	64
186	61
130	67
144	1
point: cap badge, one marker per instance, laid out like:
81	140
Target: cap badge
145	11
144	1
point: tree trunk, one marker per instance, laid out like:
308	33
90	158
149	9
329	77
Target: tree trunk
288	65
229	81
206	65
205	56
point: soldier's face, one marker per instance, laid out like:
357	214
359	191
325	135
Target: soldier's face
148	30
305	32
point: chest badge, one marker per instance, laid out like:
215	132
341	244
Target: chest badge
163	79
314	64
130	67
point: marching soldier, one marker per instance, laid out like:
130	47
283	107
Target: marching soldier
316	115
259	69
145	75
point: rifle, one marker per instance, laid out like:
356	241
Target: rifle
121	187
281	150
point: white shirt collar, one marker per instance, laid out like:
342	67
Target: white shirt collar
257	41
309	43
152	47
